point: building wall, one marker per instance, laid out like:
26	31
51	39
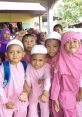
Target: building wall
26	19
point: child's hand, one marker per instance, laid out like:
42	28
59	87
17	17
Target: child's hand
9	105
56	105
79	96
44	97
23	97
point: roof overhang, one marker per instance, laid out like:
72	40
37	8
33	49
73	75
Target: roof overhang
21	7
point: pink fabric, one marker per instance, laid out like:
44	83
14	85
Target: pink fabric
32	78
79	109
13	90
69	62
67	80
53	61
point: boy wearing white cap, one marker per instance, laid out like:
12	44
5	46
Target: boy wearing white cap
52	44
13	88
38	80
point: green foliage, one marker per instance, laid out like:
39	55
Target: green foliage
69	11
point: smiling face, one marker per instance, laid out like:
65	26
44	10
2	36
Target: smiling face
15	53
52	46
38	60
72	46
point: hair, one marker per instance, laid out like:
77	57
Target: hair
28	35
53	39
58	25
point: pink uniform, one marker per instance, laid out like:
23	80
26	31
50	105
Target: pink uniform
53	63
66	82
32	78
79	104
12	91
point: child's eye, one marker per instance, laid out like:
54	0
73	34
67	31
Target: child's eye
40	60
11	52
55	46
19	52
75	41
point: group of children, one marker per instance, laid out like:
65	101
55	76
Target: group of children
52	77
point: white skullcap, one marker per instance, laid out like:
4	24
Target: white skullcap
16	42
54	35
39	49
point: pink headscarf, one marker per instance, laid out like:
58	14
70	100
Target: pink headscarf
70	64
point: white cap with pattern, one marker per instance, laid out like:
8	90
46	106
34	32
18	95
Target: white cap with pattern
54	35
39	49
15	41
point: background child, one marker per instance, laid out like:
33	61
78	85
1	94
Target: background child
42	37
58	28
53	44
66	85
4	39
11	103
38	80
29	40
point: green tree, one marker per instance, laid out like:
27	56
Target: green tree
69	11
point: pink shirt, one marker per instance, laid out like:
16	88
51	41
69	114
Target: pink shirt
32	78
53	61
15	86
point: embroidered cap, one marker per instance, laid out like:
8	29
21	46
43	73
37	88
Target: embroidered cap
39	49
16	42
54	35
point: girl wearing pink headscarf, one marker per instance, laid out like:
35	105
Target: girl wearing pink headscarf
66	82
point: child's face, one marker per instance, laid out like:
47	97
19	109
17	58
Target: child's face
58	29
15	53
28	43
72	46
52	47
38	60
42	36
6	35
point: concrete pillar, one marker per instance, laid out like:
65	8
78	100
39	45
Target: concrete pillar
40	23
50	20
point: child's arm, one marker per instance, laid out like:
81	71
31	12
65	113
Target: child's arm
25	93
27	86
45	94
3	98
55	86
56	105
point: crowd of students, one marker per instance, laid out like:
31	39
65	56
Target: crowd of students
41	69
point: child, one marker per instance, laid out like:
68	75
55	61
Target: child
42	37
11	104
66	85
29	40
58	28
4	39
38	81
53	44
